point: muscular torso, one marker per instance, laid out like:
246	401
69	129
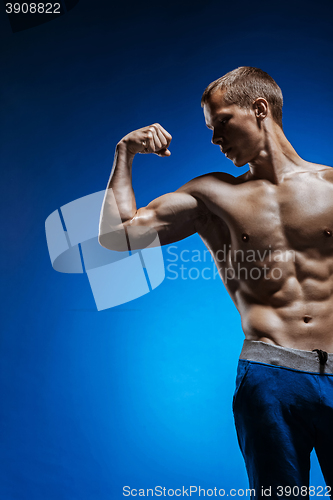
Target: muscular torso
273	246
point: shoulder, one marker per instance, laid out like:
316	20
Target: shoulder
309	171
326	173
323	172
209	187
209	181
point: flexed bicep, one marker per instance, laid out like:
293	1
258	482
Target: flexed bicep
172	217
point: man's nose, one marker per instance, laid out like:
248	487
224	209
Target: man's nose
216	139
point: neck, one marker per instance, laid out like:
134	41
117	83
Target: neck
277	158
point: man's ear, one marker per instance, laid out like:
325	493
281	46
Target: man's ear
260	107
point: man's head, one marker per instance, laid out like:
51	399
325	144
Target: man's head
236	107
243	86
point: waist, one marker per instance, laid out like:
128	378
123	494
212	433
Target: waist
316	361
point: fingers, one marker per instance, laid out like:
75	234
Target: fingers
156	140
165	133
163	141
150	141
164	152
165	138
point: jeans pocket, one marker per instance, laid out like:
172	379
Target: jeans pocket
242	369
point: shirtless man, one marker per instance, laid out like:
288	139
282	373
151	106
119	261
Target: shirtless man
283	205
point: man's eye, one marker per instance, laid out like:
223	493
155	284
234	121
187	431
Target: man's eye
224	121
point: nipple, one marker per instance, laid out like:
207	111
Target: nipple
245	237
328	233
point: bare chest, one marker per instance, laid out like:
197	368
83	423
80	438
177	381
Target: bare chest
295	215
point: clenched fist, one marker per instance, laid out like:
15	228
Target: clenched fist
152	139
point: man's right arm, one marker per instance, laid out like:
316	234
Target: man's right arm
173	216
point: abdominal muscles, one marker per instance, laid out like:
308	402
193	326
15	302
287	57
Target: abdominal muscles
284	299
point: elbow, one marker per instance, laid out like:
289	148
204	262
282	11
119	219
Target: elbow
103	241
133	238
113	241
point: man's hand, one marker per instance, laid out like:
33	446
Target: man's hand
152	139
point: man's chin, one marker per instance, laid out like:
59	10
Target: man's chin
238	163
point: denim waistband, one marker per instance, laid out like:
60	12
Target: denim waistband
316	361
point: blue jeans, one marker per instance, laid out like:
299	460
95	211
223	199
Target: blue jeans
281	414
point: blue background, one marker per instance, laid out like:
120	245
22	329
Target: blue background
140	394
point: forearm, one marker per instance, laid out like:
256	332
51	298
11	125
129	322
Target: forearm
119	201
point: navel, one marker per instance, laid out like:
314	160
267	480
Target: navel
245	237
307	319
328	233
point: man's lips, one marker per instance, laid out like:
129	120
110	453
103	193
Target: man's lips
225	150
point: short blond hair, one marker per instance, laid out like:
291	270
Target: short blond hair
246	84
